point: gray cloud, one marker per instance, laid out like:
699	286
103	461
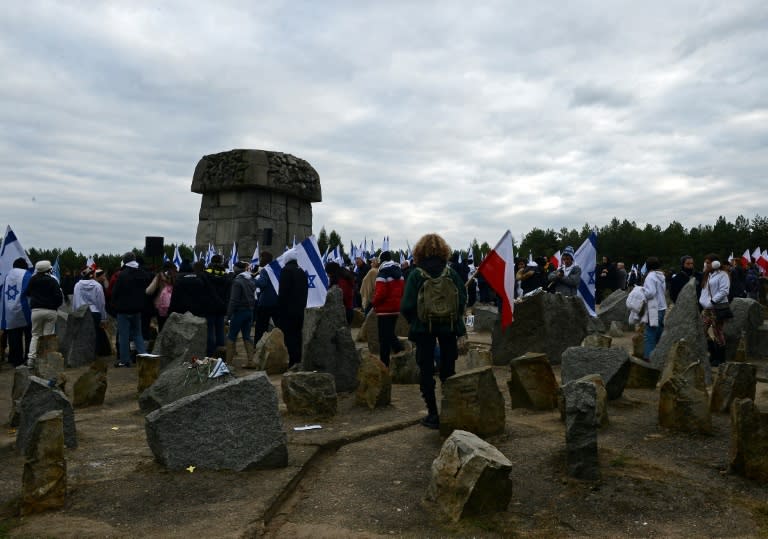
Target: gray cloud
418	117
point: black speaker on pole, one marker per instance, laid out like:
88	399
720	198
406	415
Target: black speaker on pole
153	246
267	240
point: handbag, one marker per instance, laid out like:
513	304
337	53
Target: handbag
722	310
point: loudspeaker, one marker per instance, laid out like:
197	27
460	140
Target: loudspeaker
153	246
267	239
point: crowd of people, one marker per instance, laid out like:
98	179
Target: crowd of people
431	290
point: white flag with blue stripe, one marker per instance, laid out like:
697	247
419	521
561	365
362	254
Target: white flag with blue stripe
255	257
308	258
176	258
586	258
11	250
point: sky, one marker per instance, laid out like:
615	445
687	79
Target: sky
465	119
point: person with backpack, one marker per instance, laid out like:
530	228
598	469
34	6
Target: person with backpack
433	304
161	290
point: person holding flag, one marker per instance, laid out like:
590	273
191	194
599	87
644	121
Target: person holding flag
430	255
292	293
566	278
17	316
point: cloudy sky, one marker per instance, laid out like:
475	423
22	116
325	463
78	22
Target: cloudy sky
465	118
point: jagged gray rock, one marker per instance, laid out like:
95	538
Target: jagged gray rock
327	342
234	426
37	400
612	364
545	323
614	308
682	321
746	321
733	381
581	423
183	336
472	401
78	342
309	394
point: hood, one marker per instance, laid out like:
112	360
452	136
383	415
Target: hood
88	284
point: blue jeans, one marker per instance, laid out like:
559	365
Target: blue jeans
215	333
129	328
240	323
652	336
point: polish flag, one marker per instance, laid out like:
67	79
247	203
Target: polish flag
554	260
498	268
756	254
763	262
746	259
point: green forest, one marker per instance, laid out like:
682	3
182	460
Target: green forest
621	240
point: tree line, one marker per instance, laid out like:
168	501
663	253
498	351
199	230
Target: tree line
620	240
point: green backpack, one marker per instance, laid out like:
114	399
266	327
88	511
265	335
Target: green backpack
438	299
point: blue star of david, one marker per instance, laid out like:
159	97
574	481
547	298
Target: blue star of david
591	277
12	292
311	280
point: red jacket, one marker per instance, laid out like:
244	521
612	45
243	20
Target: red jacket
347	290
389	289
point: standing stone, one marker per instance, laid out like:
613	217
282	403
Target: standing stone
683	321
234	426
20	382
610	363
252	196
327	342
472	401
597	340
762	341
44	481
532	383
683	398
358	318
733	381
374	389
49	365
638	343
176	381
309	394
403	366
614	309
746	321
38	399
486	317
581	424
271	354
371	330
469	477
544	323
478	356
617	329
642	375
148	370
78	344
184	336
90	388
749	440
601	407
741	349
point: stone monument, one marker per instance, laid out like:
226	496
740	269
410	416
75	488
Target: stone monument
252	196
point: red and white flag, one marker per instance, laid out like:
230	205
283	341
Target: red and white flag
498	268
554	260
756	254
762	262
745	259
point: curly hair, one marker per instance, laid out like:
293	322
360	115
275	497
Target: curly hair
431	245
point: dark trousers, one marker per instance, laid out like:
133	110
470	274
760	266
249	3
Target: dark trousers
18	344
425	358
291	326
386	325
215	333
263	314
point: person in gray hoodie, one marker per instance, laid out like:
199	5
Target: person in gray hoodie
88	291
565	279
242	298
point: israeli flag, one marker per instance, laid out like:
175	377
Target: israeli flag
232	258
586	258
385	244
308	257
176	258
56	269
165	258
11	250
255	257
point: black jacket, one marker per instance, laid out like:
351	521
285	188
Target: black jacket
220	285
44	292
292	291
190	294
130	289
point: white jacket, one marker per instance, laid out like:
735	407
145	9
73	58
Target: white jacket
654	288
91	293
720	285
636	304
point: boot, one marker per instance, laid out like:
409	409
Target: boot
249	361
229	354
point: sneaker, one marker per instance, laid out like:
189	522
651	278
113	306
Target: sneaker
121	364
431	421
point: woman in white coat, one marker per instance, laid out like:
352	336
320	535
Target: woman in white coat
654	288
715	288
